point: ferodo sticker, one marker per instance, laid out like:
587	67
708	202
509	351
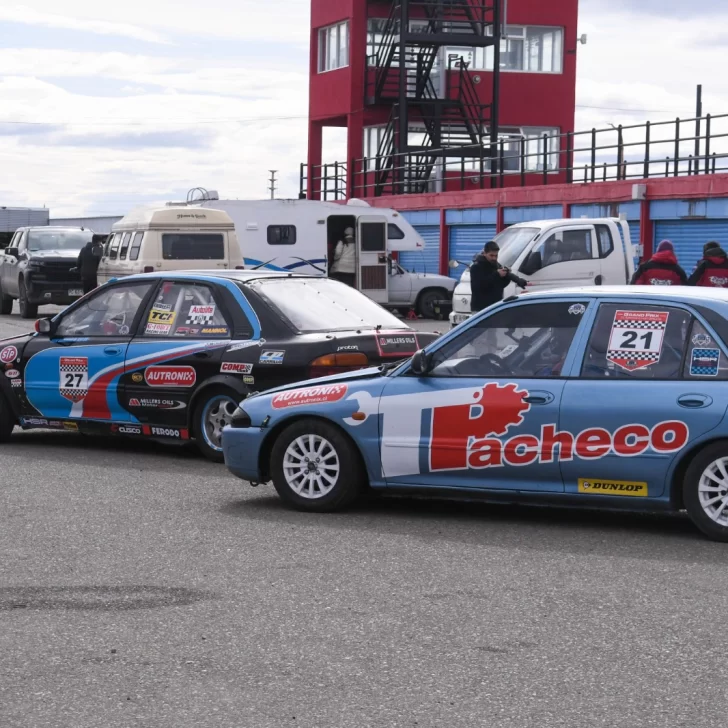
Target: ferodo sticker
200	315
8	355
396	344
473	429
170	376
73	383
173	432
612	487
636	338
325	394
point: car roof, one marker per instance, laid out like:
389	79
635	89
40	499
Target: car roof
686	294
241	276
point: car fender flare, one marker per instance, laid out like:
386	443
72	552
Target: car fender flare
221	380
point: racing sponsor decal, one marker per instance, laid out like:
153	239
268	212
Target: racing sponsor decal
156	403
171	432
16	382
162	306
200	315
612	487
221	330
636	338
73	383
272	357
351	347
577	309
246	344
158	329
169	376
461	429
704	362
124	330
12	373
126	429
396	344
325	394
702	340
157	316
8	355
249	380
137	377
232	367
70	426
33	422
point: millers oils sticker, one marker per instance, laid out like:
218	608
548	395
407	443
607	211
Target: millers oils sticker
612	487
636	338
74	378
396	344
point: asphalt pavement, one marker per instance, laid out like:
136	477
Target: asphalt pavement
142	586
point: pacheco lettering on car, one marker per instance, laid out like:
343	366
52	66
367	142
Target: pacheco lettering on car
170	376
325	394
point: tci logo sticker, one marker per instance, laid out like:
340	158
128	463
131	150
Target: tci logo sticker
170	376
313	395
8	355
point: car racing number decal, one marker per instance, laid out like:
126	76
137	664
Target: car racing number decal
73	383
200	315
636	338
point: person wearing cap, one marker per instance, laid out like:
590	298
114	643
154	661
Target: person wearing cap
488	278
712	270
344	265
661	269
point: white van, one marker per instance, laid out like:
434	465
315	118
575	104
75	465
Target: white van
152	239
557	254
300	236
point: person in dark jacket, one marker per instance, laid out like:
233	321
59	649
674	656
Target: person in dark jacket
712	271
88	265
488	278
661	269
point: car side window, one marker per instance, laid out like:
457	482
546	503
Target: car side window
520	341
635	341
186	310
23	242
136	246
109	243
124	246
563	246
705	359
111	312
114	249
604	238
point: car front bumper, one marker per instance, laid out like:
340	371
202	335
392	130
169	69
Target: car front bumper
241	448
53	293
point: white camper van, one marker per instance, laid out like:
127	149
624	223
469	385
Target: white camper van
557	254
300	236
156	239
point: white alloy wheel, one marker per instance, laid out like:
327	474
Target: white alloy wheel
311	466
713	491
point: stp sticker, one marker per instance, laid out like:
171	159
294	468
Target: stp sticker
704	362
200	315
74	378
325	394
612	487
231	367
162	376
636	338
12	373
8	355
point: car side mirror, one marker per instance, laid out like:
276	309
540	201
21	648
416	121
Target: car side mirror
43	326
532	264
11	251
454	264
421	363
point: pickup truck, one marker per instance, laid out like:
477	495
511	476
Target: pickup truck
557	254
36	268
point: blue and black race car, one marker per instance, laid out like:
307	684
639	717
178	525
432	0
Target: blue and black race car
170	356
603	397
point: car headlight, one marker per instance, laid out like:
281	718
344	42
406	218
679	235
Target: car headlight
34	265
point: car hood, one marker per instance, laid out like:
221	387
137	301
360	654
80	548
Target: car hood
444	281
53	254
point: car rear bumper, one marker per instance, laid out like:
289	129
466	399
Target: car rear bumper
241	448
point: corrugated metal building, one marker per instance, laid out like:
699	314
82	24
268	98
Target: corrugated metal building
100	225
12	218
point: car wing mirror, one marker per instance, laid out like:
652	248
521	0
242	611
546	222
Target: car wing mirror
421	363
454	264
11	251
44	326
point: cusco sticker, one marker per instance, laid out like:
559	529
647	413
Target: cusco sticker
636	338
74	378
594	486
704	362
8	355
466	428
325	394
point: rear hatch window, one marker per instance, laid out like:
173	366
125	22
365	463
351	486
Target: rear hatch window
193	246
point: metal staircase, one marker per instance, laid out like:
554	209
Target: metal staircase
405	73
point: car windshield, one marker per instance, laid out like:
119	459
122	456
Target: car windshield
58	239
513	242
321	304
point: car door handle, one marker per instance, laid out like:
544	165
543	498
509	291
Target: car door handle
112	350
540	398
694	401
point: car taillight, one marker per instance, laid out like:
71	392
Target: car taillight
149	269
337	363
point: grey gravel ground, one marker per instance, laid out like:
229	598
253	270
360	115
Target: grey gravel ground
143	586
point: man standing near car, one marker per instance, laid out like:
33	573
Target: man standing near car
88	264
344	265
488	278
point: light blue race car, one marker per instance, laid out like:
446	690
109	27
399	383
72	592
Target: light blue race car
602	397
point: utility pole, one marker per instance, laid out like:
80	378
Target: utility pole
272	181
698	120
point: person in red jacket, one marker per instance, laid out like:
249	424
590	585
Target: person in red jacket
661	269
712	271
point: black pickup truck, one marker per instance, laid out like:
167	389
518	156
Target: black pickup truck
36	268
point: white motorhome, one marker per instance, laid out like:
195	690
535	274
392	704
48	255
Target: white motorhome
300	236
155	239
557	254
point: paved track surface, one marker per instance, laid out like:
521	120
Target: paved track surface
143	586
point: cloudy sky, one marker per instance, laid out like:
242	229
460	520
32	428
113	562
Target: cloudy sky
105	105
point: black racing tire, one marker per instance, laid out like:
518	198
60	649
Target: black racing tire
7	420
27	310
6	303
338	478
707	460
427	300
212	412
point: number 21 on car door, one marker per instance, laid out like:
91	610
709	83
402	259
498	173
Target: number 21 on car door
636	339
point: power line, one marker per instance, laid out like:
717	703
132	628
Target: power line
248	120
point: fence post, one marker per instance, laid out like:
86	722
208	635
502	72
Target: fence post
620	152
569	157
647	151
677	148
594	155
707	144
545	159
522	155
501	166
